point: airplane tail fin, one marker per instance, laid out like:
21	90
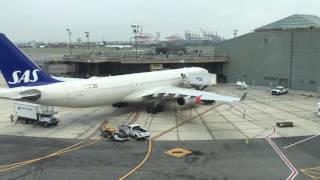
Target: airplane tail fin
17	69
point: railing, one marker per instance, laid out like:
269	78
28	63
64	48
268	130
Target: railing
133	56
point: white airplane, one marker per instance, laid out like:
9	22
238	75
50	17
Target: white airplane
28	83
118	46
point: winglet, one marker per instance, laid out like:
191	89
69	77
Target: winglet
243	97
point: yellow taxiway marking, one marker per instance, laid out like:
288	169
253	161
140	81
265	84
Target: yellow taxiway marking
178	152
313	173
150	141
146	157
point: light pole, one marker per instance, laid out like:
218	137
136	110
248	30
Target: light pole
235	33
69	33
87	35
135	29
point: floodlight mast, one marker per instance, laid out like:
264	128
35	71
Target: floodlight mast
88	35
69	33
136	30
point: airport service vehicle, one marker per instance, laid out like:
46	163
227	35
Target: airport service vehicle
112	134
34	113
241	85
201	81
135	131
28	83
285	124
279	90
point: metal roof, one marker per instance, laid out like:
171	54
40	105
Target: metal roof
294	22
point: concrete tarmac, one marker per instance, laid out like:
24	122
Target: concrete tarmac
210	160
225	144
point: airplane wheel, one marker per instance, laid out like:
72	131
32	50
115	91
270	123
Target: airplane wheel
155	109
159	108
149	109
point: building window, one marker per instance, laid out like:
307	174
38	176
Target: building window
312	82
270	78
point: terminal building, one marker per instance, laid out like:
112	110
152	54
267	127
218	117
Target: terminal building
285	52
88	65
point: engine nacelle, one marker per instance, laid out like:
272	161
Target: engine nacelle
188	101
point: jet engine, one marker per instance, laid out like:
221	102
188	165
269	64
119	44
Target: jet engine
188	100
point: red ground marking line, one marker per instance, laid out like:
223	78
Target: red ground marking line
294	172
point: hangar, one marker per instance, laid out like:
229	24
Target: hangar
285	52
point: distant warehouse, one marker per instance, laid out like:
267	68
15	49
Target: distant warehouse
285	52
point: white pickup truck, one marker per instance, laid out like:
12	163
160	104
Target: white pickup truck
135	131
279	90
241	85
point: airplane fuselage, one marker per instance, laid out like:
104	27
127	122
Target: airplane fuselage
27	82
102	91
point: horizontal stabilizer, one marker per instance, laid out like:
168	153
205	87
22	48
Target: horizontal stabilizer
31	95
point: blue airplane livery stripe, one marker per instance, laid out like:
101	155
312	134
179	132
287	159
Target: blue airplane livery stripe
17	69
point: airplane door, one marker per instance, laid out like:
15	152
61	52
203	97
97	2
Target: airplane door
70	93
183	78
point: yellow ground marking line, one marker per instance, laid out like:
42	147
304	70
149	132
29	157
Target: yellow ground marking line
135	118
146	157
310	175
57	152
178	152
74	147
46	157
315	168
150	141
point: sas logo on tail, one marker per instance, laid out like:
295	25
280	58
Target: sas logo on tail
19	76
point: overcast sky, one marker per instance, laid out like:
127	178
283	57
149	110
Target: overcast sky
24	20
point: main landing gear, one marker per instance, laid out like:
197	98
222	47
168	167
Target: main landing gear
155	108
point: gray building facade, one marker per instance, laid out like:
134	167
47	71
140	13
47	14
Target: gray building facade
286	52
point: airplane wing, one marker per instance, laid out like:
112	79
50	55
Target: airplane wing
177	92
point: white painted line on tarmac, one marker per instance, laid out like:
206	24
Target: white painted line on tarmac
307	139
294	171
